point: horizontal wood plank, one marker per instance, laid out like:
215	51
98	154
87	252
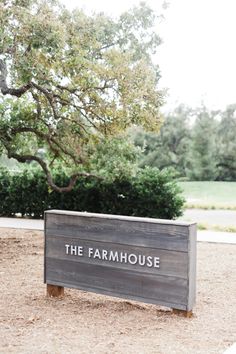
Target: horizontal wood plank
117	281
115	231
118	217
172	263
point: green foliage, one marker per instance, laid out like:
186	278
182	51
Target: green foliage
150	194
115	158
202	156
226	145
69	80
169	147
22	193
9	163
198	144
5	187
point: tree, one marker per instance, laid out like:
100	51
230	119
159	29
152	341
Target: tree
226	145
202	154
169	147
67	80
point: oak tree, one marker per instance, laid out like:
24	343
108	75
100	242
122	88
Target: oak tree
69	80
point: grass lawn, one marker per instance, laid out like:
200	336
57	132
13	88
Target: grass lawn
209	195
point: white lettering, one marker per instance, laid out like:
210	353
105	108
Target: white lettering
113	256
90	252
97	254
104	254
141	260
133	256
67	248
156	262
149	261
80	251
123	257
73	250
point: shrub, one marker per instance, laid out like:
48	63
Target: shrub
150	194
5	187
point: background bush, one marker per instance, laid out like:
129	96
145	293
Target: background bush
150	194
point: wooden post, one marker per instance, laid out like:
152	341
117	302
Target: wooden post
55	291
184	313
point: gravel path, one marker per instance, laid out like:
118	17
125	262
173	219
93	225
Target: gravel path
88	323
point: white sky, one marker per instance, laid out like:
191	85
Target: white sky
198	56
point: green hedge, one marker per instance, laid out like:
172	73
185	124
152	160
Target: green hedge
150	194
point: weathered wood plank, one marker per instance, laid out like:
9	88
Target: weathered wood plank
103	217
99	222
172	263
123	296
161	242
128	232
108	279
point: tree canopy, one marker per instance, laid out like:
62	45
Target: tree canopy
198	143
68	80
170	146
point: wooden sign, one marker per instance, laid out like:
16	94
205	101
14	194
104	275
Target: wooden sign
143	259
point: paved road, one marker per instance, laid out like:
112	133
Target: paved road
211	217
18	223
29	224
219	237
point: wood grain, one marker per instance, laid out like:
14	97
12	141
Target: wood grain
172	284
55	291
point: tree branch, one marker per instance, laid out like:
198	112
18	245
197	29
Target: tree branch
73	178
49	96
3	83
50	140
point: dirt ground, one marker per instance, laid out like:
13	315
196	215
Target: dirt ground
88	323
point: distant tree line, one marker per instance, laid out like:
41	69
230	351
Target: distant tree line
198	144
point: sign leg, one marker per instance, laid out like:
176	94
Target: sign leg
55	291
187	314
